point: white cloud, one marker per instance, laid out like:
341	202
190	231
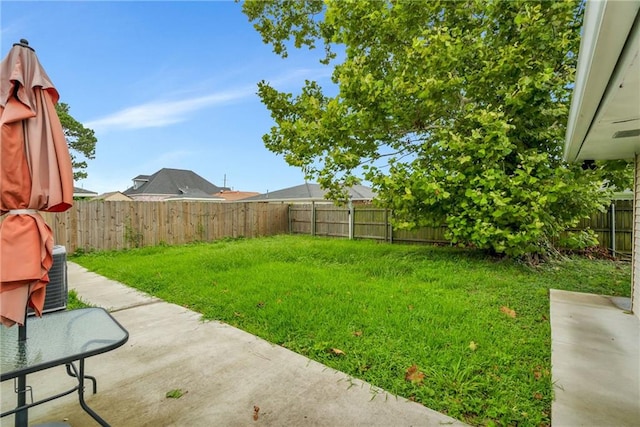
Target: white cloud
9	31
164	113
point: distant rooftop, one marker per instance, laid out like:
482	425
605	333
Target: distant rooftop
310	192
232	195
81	192
177	182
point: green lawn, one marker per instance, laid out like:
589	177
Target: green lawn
449	328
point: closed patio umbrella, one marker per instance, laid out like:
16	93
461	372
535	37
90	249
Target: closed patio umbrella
35	175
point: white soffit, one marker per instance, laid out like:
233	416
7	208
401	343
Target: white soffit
604	120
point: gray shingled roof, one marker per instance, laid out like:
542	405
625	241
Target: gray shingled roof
193	193
308	191
173	182
79	192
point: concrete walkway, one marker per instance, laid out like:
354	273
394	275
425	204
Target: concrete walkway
229	377
595	361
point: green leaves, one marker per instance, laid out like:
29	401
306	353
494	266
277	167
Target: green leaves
457	110
277	24
174	394
81	140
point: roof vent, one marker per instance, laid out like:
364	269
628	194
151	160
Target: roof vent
626	133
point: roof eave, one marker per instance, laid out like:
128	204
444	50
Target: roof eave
605	31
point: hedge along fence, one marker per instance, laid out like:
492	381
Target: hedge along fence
613	228
105	225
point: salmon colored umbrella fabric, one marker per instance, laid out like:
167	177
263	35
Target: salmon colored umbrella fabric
35	175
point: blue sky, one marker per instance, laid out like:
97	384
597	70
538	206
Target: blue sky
164	84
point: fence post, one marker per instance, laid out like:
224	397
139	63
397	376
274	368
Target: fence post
386	225
613	228
313	218
289	218
351	218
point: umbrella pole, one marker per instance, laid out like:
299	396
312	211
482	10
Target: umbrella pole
22	417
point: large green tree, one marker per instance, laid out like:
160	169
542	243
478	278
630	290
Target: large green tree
81	141
455	111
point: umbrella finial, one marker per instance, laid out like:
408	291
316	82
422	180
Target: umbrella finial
24	43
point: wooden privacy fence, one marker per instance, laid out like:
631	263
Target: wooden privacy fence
614	227
103	225
358	222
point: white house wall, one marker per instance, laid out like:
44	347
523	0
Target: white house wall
635	269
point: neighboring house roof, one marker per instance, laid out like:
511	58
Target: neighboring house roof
310	192
194	194
113	196
171	182
81	192
232	195
604	120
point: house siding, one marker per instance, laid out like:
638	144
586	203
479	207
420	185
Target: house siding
149	197
635	274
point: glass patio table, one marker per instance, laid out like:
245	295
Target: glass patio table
56	339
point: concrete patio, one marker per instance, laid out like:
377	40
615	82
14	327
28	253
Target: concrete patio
595	361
